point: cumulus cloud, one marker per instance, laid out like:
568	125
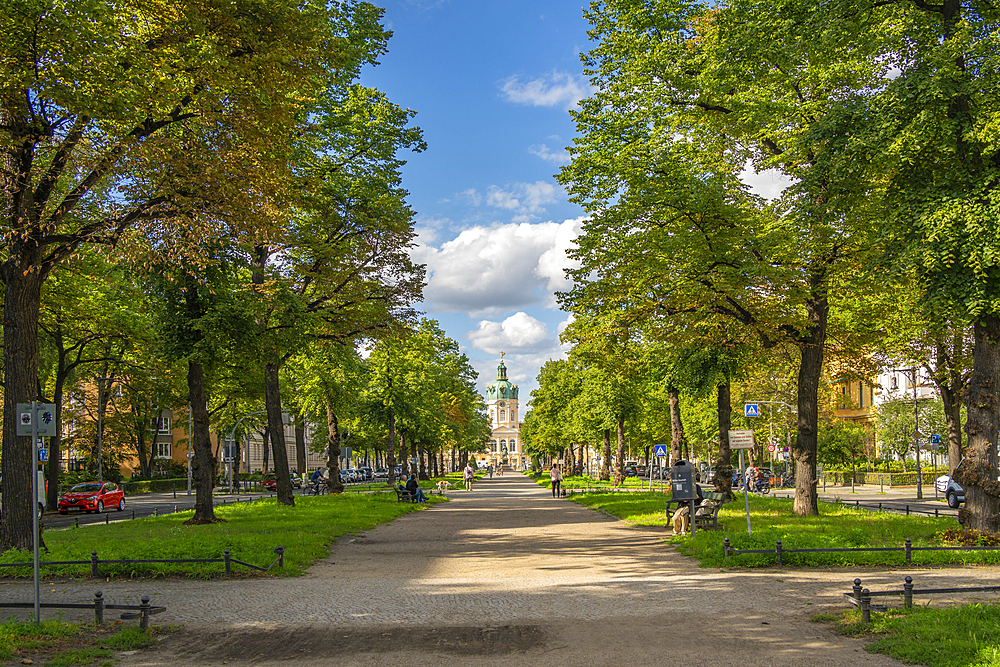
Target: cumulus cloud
555	89
527	200
487	271
544	152
472	196
518	331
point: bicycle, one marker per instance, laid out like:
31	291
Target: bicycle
317	488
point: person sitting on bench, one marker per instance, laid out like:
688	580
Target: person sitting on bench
415	490
682	517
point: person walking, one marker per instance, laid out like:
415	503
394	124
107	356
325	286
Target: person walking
489	469
469	475
556	476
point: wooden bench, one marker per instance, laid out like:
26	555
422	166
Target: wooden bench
404	496
706	514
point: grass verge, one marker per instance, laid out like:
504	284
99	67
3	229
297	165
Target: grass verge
837	526
251	532
58	644
965	636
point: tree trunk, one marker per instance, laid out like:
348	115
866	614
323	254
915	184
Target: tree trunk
606	463
202	472
811	346
676	426
978	472
53	469
265	439
723	480
423	470
390	456
621	445
334	482
300	445
272	403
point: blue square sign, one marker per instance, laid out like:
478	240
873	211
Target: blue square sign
751	410
659	450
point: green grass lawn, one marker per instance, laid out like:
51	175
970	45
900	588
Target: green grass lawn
580	482
58	644
251	532
837	526
965	636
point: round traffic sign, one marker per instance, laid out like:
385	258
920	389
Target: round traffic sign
771	448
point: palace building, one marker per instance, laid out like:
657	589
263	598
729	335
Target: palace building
502	409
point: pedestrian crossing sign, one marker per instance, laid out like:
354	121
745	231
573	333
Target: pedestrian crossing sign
659	450
751	410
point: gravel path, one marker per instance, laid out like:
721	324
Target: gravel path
506	575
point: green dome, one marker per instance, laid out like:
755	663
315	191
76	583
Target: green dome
502	388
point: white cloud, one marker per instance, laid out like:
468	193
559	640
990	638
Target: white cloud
472	196
518	331
544	152
768	184
488	271
524	199
556	89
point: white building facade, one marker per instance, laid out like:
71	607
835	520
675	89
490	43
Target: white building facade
505	447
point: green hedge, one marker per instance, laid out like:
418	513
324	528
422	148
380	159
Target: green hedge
141	486
843	477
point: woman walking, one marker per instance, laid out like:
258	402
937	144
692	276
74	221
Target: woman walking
556	476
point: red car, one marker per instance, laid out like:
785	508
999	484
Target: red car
92	497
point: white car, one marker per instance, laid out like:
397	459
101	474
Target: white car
953	492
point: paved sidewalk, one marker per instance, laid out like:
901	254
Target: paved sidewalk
505	575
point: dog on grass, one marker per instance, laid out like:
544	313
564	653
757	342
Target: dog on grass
444	485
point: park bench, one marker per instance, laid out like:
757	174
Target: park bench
706	513
404	496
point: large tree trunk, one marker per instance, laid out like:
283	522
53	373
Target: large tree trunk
272	403
606	463
978	472
334	482
810	370
53	469
300	445
723	481
423	470
265	440
201	446
676	426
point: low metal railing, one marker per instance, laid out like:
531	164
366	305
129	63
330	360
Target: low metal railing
907	548
862	597
95	562
141	611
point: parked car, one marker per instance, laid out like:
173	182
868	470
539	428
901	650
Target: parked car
366	473
953	492
707	475
92	497
270	482
382	473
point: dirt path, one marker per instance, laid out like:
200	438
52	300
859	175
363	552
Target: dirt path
508	575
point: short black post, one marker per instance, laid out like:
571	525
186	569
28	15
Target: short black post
133	514
857	503
76	522
908	592
174	489
281	555
98	607
907	510
880	507
229	568
909	546
935	512
777	550
726	547
857	590
866	607
93	565
107	518
144	613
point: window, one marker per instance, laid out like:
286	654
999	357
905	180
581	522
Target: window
493	445
160	425
503	414
513	446
161	450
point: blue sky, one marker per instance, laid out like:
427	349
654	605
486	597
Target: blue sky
492	83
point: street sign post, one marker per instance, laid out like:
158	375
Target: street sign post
751	410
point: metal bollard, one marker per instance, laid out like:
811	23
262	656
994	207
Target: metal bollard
144	613
175	509
907	510
98	608
880	507
107	518
174	489
156	511
93	565
76	522
909	546
726	547
908	592
229	567
280	550
935	512
133	513
777	550
857	590
866	607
